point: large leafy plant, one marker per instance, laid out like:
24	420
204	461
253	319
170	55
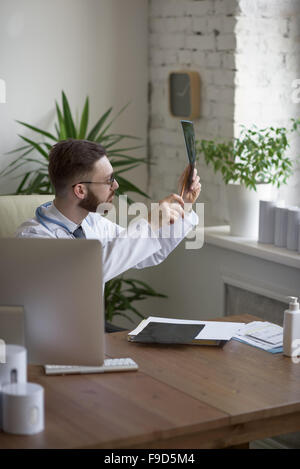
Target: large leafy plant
35	152
120	293
256	156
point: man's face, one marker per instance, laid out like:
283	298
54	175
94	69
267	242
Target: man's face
99	193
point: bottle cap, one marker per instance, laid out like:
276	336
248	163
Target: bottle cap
294	305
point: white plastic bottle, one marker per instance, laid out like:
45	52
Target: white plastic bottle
291	326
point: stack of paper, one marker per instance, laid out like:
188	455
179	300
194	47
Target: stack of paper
262	334
154	330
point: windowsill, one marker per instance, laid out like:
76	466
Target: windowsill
219	236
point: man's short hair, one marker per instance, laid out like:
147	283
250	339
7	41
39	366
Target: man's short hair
72	160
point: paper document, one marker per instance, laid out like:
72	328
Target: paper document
261	334
213	330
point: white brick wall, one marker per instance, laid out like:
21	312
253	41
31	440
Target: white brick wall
267	62
198	35
247	53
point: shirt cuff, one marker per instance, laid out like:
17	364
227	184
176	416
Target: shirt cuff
192	218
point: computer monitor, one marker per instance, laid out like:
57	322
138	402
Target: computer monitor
57	283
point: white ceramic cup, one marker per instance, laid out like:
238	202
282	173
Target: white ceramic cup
23	408
14	370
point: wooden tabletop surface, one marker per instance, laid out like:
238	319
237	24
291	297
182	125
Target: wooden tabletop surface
181	397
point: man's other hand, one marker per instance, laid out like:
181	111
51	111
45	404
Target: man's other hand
191	195
166	211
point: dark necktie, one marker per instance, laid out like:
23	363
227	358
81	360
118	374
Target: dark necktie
78	233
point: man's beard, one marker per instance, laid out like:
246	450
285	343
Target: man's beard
91	203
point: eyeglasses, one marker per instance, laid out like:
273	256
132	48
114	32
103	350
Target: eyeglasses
110	182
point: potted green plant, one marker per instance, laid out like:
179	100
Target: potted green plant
250	165
36	180
121	292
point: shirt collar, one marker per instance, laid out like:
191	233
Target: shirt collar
53	212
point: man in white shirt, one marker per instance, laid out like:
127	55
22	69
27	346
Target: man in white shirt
83	179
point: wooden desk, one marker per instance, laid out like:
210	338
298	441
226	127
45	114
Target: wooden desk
182	397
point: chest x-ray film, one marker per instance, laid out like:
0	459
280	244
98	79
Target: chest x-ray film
189	137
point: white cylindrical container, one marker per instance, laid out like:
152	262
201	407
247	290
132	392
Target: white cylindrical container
23	408
291	327
243	207
292	228
280	233
15	367
266	221
14	370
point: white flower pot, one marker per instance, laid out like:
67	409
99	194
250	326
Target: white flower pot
243	207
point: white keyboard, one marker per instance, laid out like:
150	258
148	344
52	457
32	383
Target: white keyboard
110	364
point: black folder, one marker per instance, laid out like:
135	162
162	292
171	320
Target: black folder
166	333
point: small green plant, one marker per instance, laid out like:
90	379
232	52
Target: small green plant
257	156
121	292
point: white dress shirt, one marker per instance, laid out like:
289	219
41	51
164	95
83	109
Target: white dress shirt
136	247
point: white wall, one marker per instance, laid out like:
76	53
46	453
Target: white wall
85	47
247	53
195	281
267	64
194	35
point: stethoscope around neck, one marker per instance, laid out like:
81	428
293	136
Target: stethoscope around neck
42	218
